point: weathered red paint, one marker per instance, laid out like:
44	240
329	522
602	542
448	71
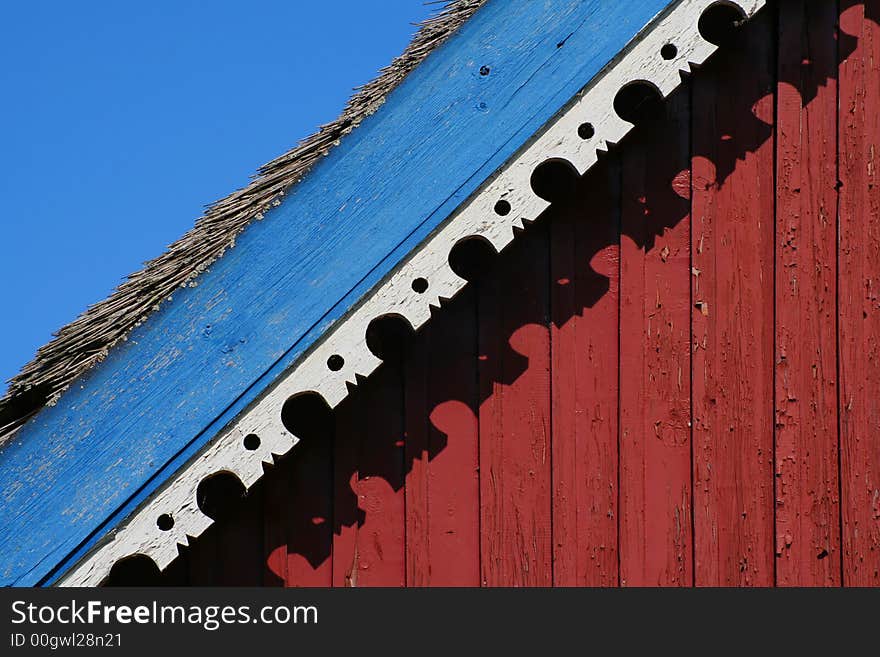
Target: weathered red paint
655	458
443	484
417	443
807	487
307	525
732	315
585	298
514	417
376	556
644	388
859	291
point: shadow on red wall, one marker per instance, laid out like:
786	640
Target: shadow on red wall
309	499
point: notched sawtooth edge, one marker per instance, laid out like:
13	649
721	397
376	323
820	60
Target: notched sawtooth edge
477	217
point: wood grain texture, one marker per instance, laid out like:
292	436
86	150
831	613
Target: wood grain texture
454	469
515	416
347	512
859	291
376	554
380	546
418	451
442	483
807	492
655	456
732	315
584	283
200	360
298	507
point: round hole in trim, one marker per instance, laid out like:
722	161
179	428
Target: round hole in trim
586	131
502	208
420	285
165	522
389	337
719	22
554	180
472	257
335	363
219	493
251	442
308	416
135	570
639	102
669	51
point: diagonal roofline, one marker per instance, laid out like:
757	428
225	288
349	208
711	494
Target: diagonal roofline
86	341
503	204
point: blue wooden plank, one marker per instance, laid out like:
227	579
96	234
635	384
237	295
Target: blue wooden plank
81	466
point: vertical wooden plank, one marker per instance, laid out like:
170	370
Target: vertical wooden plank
732	317
418	454
347	514
584	277
859	294
655	456
240	542
299	515
372	548
231	551
514	417
203	559
277	516
442	485
381	493
807	493
369	498
454	446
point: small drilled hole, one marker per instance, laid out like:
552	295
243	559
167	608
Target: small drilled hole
586	131
251	442
335	362
502	208
165	522
484	71
669	51
420	285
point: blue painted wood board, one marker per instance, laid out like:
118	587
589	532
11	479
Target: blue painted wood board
80	467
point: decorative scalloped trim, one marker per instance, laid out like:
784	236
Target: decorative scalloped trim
477	217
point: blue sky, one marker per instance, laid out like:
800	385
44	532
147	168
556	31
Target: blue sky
119	121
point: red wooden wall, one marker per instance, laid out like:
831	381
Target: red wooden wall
672	379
